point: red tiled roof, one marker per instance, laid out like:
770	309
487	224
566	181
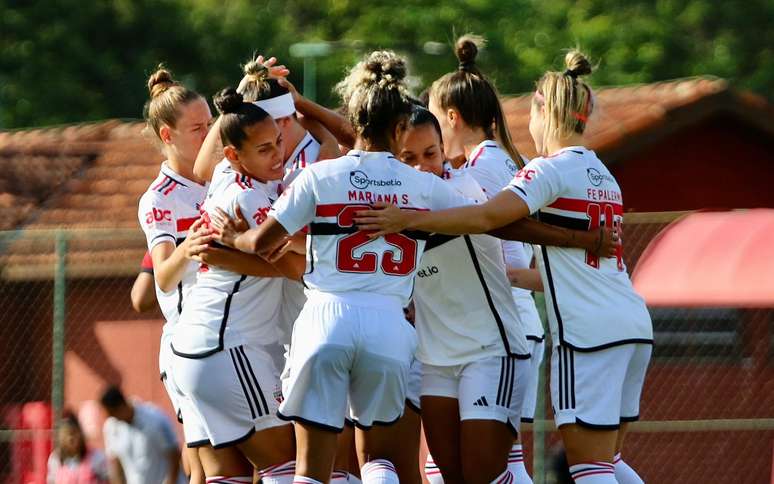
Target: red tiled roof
92	176
625	118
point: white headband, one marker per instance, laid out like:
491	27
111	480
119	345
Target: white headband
278	107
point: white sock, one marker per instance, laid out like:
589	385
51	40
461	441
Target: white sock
516	465
379	471
279	474
593	473
624	473
432	472
305	480
353	479
505	478
229	480
339	477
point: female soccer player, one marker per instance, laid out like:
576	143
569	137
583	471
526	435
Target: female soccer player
601	328
351	341
179	118
222	348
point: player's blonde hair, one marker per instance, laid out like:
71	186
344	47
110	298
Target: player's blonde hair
567	100
375	95
167	96
257	84
475	97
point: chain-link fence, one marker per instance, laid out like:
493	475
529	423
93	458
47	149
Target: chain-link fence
707	410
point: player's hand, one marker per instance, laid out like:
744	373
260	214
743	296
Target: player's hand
295	243
275	71
198	239
284	82
228	228
382	219
608	242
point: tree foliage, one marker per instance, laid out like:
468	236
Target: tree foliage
67	61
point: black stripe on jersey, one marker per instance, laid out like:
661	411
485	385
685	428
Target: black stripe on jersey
242	382
437	240
561	384
552	290
175	179
566	222
512	362
250	384
572	376
329	228
492	308
166	184
304	149
221	332
565	371
164	235
180	297
520	189
255	380
507	381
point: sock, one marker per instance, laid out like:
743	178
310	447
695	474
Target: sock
229	480
516	465
593	473
379	471
279	474
305	480
353	479
339	477
432	472
624	473
505	478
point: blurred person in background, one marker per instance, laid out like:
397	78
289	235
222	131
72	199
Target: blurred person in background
72	462
140	442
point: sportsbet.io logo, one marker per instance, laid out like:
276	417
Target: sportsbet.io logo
596	178
360	180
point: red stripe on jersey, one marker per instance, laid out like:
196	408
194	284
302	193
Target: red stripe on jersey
238	179
184	224
333	209
473	161
171	187
582	206
163	181
303	159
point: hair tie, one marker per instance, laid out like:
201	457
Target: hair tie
464	66
571	73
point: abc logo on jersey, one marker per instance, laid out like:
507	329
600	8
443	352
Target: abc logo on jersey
158	215
596	178
360	180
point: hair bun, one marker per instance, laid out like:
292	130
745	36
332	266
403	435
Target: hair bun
466	49
160	81
386	68
228	101
577	64
256	70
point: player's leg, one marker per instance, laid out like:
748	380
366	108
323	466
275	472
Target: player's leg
406	460
517	457
630	410
378	389
586	391
491	396
441	422
224	465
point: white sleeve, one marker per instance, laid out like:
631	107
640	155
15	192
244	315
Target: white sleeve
157	219
107	435
296	206
515	255
538	184
488	178
443	196
254	205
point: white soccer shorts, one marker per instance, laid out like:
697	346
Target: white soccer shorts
348	348
165	371
415	386
536	350
236	392
488	389
598	389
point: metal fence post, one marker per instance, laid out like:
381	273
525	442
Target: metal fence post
59	316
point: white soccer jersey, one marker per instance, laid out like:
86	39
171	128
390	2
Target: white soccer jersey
167	210
590	301
340	258
306	153
226	309
528	314
464	307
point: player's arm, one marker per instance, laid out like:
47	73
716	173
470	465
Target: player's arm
115	471
334	122
170	262
210	153
329	146
525	278
602	241
143	292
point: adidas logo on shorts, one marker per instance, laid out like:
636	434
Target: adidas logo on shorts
481	402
